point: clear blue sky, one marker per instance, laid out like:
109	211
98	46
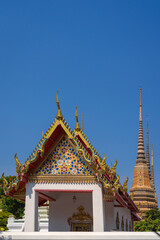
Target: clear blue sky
98	54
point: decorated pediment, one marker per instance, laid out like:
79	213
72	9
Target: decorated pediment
64	160
65	156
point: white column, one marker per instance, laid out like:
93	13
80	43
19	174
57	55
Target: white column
104	214
51	216
31	210
97	204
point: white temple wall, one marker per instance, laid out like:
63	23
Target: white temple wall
88	195
64	207
31	210
109	216
126	213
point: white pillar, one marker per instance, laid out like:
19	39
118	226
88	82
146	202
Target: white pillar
51	216
104	215
31	210
97	204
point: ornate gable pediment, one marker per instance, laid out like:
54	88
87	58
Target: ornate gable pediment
64	161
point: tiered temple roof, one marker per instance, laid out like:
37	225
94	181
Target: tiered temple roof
60	131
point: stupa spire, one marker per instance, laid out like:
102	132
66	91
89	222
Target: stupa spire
77	128
147	151
59	114
140	152
144	195
152	170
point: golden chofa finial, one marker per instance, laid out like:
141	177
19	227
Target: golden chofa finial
5	182
59	114
125	184
18	164
77	128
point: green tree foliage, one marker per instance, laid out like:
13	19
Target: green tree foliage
8	204
3	220
150	223
13	206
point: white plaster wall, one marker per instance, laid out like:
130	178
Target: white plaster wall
64	206
122	211
31	210
109	216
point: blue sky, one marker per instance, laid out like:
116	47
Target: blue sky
98	54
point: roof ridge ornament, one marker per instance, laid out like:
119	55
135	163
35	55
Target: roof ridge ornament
5	182
77	127
125	184
59	114
18	164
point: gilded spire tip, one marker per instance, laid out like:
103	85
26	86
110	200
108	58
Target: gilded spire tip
77	128
59	114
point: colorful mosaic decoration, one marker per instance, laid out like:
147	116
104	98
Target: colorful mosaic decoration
64	160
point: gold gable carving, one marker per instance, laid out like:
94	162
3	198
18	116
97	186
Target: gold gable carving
62	179
62	163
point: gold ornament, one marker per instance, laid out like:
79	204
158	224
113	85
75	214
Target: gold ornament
77	128
125	184
25	166
59	114
113	168
5	182
18	164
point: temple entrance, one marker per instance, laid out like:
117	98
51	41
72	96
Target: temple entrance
80	221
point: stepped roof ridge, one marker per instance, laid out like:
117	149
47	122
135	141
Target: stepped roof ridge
50	129
89	143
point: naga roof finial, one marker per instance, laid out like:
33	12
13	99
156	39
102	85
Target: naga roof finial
125	184
59	114
77	128
5	182
18	164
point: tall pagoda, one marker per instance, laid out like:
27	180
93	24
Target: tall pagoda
143	189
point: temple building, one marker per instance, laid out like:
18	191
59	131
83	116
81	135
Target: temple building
66	173
143	188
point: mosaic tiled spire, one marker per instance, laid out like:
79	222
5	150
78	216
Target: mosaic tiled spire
142	193
140	152
147	151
